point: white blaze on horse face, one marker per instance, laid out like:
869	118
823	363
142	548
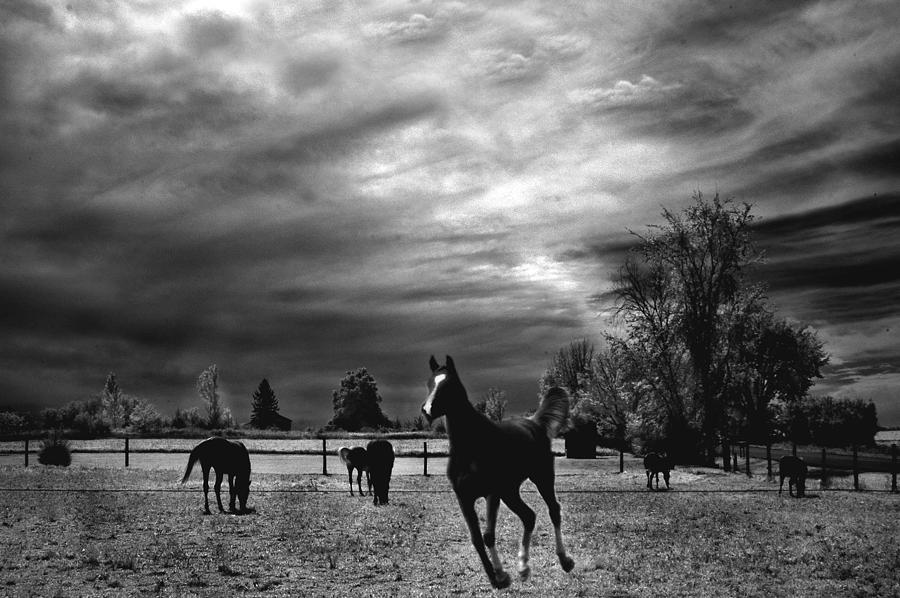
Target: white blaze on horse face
437	382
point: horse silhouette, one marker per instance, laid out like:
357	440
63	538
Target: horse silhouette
493	459
793	468
381	463
655	463
226	457
356	458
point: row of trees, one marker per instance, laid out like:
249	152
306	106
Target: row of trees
113	409
704	359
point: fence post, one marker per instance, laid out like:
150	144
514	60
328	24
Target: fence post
324	461
734	456
26	453
426	458
126	452
893	468
747	458
824	481
769	460
855	470
794	448
621	460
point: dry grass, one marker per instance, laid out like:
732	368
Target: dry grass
307	537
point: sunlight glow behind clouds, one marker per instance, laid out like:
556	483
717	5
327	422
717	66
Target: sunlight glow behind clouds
415	172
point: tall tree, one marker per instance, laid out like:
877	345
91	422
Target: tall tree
357	403
208	387
264	405
113	400
679	293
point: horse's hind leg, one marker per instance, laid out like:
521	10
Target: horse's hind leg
350	478
232	495
206	489
545	487
517	505
493	504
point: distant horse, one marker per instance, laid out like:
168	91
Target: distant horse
381	463
226	457
356	458
793	468
655	463
492	460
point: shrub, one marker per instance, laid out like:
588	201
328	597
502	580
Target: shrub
55	451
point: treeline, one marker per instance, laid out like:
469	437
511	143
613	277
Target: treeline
702	359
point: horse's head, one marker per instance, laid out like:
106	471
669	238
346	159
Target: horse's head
444	387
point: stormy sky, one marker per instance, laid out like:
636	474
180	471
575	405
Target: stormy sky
293	190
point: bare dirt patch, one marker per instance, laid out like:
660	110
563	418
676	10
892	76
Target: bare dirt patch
100	532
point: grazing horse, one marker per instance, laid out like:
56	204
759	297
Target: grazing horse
226	457
655	463
381	464
793	468
493	459
356	458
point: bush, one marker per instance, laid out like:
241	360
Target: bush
55	451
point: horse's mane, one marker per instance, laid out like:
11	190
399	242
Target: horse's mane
553	411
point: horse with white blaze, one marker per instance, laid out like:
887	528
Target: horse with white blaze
492	460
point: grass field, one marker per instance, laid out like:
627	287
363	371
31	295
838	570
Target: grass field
139	532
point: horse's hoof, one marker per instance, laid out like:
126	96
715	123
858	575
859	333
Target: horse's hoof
524	573
501	580
567	562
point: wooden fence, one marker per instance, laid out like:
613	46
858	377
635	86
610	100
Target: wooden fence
825	461
127	451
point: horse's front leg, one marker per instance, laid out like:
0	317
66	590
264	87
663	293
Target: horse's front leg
467	506
350	479
218	489
358	482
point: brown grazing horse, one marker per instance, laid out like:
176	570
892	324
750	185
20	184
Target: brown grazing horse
793	468
356	458
655	463
381	464
226	457
492	460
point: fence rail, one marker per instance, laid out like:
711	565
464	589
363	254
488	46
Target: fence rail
818	458
737	457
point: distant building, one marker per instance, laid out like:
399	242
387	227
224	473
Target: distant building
274	420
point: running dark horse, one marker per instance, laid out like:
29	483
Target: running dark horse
793	468
655	463
356	458
492	460
226	457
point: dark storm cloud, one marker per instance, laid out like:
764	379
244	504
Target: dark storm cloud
835	264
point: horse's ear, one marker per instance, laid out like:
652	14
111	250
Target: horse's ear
450	366
433	364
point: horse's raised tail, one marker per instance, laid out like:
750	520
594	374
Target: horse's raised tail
195	454
553	411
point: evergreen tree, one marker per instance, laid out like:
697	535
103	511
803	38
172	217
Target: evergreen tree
264	405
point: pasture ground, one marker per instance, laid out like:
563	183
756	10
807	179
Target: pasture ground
138	532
